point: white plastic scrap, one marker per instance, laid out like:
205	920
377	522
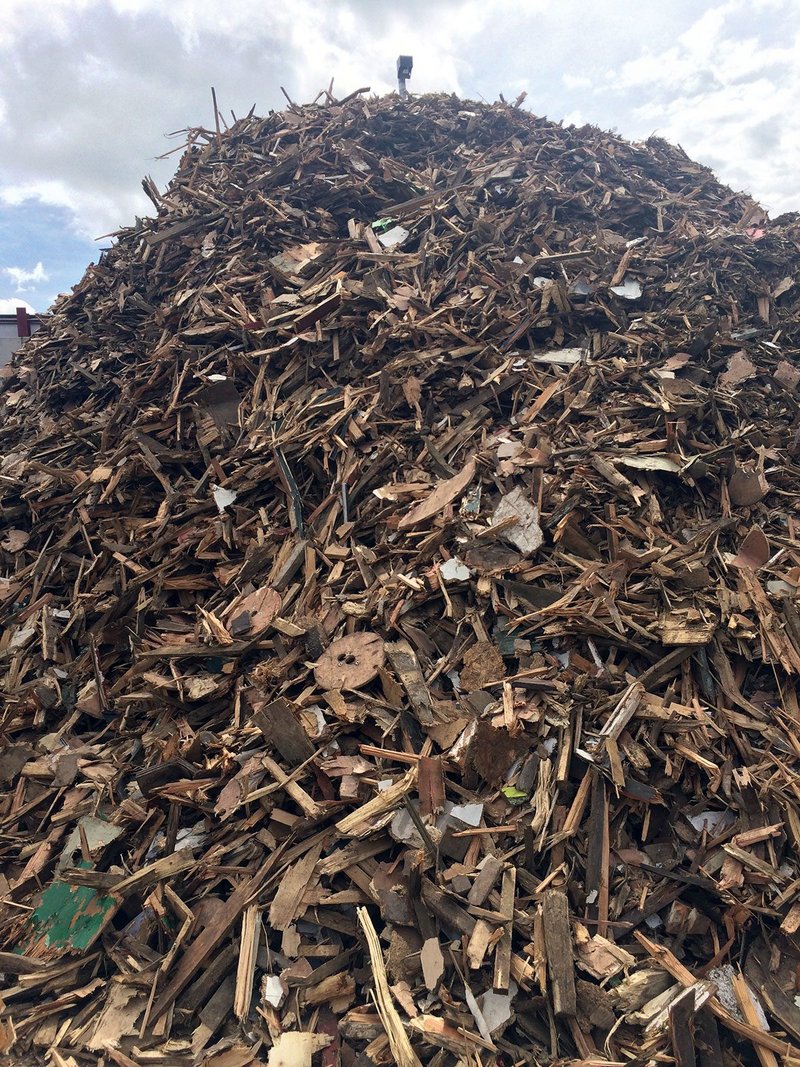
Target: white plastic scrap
714	822
496	1007
630	289
453	570
314	718
403	830
477	1015
222	497
470	814
21	636
402	827
273	991
777	586
97	832
561	356
394	237
191	836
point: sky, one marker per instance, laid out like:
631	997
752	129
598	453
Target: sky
91	90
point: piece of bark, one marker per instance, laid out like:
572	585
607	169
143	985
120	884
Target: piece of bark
286	904
431	786
280	727
483	664
443	495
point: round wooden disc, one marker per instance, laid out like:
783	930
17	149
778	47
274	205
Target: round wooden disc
350	662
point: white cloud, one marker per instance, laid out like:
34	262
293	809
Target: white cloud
728	90
576	81
94	212
9	305
27	279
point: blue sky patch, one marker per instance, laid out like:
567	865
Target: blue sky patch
40	253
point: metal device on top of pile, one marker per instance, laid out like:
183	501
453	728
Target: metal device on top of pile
404	67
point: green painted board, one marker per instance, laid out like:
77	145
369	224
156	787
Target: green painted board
69	918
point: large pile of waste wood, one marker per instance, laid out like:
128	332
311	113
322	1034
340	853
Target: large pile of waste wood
399	578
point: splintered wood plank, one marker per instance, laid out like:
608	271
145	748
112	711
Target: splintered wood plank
681	1014
248	950
213	1014
406	666
754	1033
502	954
208	979
744	998
484	882
311	808
482	938
398	1039
446	908
205	942
372	815
558	947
